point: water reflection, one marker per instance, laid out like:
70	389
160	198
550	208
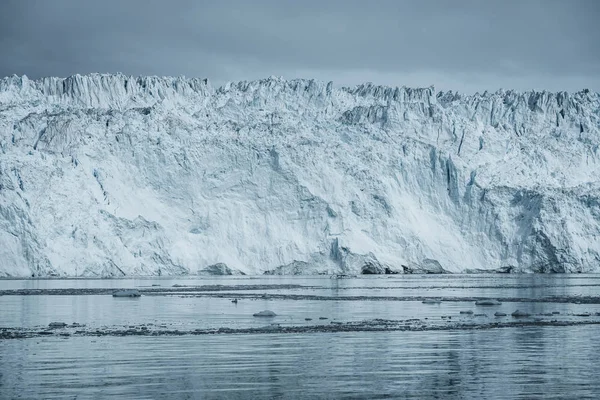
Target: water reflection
517	362
505	363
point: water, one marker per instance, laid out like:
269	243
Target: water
465	357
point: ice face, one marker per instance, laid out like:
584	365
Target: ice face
111	175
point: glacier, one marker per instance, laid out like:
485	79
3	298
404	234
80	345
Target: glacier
112	175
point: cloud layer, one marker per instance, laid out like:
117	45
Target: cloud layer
466	45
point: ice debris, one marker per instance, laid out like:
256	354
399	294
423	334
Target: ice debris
127	293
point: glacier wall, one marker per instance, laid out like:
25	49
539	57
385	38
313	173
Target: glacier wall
112	175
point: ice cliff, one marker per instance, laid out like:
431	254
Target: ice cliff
111	175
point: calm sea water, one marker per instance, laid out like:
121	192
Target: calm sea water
510	362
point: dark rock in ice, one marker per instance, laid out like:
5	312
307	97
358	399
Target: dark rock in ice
499	314
431	301
76	325
467	312
480	315
219	269
583	315
293	268
519	314
265	313
370	268
502	270
322	317
57	325
432	266
342	276
509	269
427	266
487	303
555	312
308	319
374	267
127	293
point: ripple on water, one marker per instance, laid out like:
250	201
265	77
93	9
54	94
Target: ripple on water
535	358
554	361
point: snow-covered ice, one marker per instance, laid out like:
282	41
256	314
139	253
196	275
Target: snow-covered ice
111	175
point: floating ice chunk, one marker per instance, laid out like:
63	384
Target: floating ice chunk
487	303
265	313
520	314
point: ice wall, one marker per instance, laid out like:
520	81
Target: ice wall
111	175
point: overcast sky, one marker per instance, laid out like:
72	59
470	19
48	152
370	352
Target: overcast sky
465	45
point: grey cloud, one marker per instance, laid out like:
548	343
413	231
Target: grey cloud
465	45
